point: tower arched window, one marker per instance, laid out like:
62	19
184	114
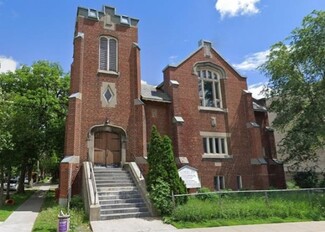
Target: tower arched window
108	54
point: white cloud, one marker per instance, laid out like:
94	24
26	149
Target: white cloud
7	64
143	82
257	90
172	59
252	61
234	8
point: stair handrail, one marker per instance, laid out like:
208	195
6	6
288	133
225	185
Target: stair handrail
95	200
140	182
140	168
89	191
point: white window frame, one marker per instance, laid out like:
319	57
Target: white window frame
108	69
211	148
203	77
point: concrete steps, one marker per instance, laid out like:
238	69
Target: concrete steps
118	195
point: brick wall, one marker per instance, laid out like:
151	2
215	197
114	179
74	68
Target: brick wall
87	111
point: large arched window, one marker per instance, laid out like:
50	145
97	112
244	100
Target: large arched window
108	54
209	88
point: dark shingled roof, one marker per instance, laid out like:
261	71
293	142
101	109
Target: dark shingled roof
259	108
151	93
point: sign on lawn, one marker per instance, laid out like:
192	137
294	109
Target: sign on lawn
189	176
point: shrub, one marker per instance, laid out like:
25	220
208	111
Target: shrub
155	151
205	194
162	166
322	183
160	196
296	206
306	179
76	202
176	184
291	185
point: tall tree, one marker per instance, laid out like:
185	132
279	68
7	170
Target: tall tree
38	97
177	185
5	142
296	70
156	169
163	179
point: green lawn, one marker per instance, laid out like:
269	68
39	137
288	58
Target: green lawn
6	210
47	219
233	209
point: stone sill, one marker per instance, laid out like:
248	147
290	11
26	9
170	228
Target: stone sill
117	74
222	110
217	156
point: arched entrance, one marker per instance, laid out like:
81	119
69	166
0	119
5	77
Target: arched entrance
107	145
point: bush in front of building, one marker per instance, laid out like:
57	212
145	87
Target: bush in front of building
206	194
308	179
163	171
177	185
156	169
160	197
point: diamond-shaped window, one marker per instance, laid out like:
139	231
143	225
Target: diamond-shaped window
108	94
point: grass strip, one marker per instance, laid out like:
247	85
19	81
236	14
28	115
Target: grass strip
241	210
19	198
47	219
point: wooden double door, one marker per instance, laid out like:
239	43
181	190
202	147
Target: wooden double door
107	149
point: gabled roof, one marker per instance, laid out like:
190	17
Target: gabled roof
259	108
259	105
202	42
152	93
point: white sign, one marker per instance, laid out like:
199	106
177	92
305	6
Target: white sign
189	176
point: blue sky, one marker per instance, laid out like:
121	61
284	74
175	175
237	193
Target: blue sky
169	30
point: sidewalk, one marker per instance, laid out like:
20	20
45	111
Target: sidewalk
156	225
23	218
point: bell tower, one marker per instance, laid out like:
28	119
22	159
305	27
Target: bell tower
104	125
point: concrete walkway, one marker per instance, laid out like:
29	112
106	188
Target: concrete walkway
22	220
156	225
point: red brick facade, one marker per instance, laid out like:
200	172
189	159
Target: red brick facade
131	114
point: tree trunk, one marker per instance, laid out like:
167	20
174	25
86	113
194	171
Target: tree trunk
8	183
21	186
30	177
1	184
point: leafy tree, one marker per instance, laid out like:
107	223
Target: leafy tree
6	145
296	70
38	99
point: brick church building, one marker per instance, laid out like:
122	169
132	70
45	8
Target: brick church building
202	104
